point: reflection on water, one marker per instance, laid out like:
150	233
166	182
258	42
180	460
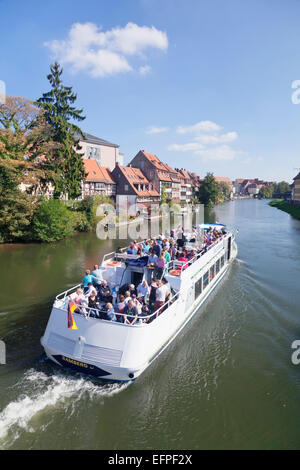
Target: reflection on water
227	381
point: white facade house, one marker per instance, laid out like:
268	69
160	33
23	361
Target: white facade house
105	153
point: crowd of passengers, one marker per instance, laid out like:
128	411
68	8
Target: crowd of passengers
135	304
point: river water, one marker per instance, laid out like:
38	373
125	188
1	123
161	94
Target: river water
226	382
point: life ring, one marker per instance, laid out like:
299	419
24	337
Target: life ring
175	272
114	263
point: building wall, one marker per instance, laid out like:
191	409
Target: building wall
105	155
297	191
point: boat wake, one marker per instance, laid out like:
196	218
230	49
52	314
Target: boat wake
39	391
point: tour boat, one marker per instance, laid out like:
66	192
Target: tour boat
115	351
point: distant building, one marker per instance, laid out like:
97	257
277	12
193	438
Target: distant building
98	181
158	173
296	190
104	152
131	182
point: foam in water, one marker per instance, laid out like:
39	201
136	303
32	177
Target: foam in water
40	391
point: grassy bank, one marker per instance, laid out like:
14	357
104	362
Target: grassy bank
294	211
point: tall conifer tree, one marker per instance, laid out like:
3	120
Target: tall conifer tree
60	113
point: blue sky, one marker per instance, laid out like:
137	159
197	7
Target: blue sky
205	85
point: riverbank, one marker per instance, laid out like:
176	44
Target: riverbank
291	209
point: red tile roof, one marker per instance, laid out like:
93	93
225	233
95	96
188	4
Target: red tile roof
224	179
97	173
135	176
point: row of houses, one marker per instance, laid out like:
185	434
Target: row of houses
145	181
250	186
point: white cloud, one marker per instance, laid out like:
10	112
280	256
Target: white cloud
202	126
185	147
222	152
207	142
216	139
144	69
101	53
156	130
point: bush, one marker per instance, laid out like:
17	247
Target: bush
52	221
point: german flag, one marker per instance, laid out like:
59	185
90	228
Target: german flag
71	308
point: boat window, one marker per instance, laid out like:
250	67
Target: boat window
198	288
222	261
205	280
212	272
218	266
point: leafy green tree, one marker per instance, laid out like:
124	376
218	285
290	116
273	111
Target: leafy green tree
209	190
52	221
266	192
224	189
60	113
281	187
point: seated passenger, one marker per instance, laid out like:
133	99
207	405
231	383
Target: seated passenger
88	290
132	250
110	313
160	296
79	297
130	313
93	304
127	297
143	290
119	306
137	304
105	293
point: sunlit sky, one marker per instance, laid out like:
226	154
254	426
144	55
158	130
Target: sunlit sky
204	85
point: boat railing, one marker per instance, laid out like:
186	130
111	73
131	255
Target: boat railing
63	295
90	312
182	265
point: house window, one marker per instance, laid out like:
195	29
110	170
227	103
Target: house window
125	187
94	153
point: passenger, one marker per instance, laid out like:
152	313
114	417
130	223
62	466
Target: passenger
156	248
130	313
139	251
105	293
88	290
160	266
145	313
88	278
132	249
79	297
137	304
152	258
182	259
146	247
143	291
98	276
160	296
94	305
166	254
119	306
110	313
152	296
127	297
119	249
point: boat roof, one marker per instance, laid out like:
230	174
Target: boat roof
208	226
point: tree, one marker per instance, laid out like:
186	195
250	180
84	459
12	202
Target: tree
266	192
281	187
209	190
224	189
59	113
